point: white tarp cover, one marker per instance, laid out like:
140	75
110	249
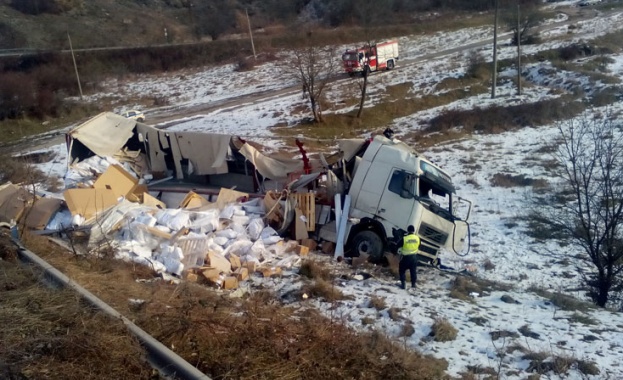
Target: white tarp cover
273	168
104	134
350	147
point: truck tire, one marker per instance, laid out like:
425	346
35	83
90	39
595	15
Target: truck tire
368	242
390	65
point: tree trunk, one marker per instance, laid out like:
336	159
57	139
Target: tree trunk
364	87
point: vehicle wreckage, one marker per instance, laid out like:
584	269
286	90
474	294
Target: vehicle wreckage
355	202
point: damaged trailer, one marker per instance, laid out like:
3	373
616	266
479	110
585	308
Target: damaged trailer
384	183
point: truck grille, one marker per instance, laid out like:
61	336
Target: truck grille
428	232
430	250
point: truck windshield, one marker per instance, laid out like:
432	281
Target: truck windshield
440	181
349	57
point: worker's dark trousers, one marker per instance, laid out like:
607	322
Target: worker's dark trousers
408	262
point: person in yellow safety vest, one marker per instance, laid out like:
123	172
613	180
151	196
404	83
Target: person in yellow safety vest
410	246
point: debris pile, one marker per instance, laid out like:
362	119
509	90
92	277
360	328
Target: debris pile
219	242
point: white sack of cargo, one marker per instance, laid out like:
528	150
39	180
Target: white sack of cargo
238	247
228	233
254	228
175	219
205	221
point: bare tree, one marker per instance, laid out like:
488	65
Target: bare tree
588	208
529	18
314	67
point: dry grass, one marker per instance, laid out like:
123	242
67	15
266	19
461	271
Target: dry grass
563	301
443	331
315	270
378	303
323	289
231	338
509	180
462	287
49	334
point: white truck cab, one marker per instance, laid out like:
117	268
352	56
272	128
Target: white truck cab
393	187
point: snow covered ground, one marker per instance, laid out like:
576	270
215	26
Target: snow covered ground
497	223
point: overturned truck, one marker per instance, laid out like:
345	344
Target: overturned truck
383	183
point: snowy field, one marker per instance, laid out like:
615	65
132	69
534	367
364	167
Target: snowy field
497	222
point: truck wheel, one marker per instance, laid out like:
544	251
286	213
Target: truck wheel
367	242
390	65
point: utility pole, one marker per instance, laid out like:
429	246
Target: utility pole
73	57
494	74
250	33
518	54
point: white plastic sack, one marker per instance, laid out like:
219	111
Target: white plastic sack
238	247
206	221
228	233
220	240
227	212
241	220
271	240
255	227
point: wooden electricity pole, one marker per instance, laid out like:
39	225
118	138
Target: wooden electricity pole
73	57
518	54
250	33
494	74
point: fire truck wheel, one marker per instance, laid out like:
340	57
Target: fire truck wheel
390	65
367	242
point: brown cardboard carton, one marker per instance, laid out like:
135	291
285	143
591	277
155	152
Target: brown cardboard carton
302	250
328	247
149	200
310	243
226	196
210	274
219	262
251	266
193	200
234	261
230	282
291	246
241	274
300	227
13	201
89	202
38	216
271	272
117	179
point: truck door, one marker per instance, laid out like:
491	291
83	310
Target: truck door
397	199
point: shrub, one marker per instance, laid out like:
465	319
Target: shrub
313	270
324	289
377	303
443	331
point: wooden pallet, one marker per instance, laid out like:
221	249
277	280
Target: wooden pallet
306	202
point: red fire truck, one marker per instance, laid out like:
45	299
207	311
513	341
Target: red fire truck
370	58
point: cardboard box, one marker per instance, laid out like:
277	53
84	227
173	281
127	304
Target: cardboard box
191	276
210	274
302	250
226	196
234	261
241	274
151	201
250	265
271	272
193	200
38	216
13	201
230	282
219	262
117	179
89	202
289	246
328	247
300	226
309	243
